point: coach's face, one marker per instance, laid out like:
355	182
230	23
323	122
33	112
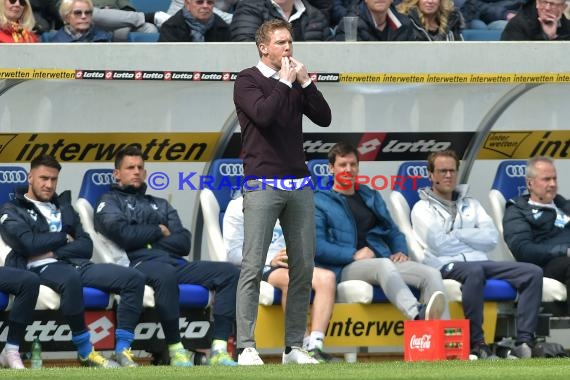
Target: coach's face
131	172
280	45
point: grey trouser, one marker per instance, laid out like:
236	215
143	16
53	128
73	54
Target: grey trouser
120	22
295	210
394	279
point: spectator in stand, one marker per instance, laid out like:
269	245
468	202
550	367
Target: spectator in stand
46	13
16	22
537	225
488	14
324	6
456	234
47	238
196	22
78	18
120	18
540	20
309	23
433	20
276	273
379	21
358	240
341	8
25	286
222	8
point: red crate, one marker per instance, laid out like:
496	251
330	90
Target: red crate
436	340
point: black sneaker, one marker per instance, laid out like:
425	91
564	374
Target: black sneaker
522	351
482	351
323	357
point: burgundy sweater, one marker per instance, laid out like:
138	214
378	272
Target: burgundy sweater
270	115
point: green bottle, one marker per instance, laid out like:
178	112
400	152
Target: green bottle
36	354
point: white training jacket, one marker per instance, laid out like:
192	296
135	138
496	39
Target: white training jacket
467	237
233	234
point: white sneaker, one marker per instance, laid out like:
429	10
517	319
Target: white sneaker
11	359
298	356
435	306
160	17
249	356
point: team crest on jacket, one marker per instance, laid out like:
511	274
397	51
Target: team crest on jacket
33	215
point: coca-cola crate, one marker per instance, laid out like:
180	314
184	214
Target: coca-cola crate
436	340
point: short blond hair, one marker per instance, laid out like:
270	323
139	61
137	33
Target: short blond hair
66	7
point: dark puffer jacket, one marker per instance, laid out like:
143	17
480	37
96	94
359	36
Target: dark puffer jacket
175	29
525	27
530	232
131	219
26	231
250	14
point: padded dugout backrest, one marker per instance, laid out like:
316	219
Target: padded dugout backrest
224	179
11	178
403	198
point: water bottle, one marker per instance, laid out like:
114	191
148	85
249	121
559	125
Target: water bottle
36	354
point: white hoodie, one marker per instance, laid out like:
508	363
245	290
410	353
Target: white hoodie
466	237
233	234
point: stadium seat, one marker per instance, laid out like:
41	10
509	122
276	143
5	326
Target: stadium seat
95	183
481	34
47	36
226	175
402	200
320	173
142	37
510	182
148	6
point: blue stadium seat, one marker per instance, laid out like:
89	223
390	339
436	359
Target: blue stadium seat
142	37
47	36
97	182
409	192
3	300
510	178
482	34
148	6
509	183
319	169
11	178
95	299
226	175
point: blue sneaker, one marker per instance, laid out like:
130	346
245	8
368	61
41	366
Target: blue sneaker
222	357
180	358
